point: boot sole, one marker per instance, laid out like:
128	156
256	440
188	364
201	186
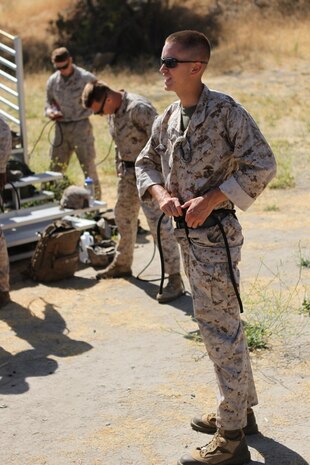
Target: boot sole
164	300
244	462
120	275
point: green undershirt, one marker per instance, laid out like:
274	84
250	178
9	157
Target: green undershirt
186	114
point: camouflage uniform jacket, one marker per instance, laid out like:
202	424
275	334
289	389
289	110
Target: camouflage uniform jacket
5	145
65	94
131	126
221	147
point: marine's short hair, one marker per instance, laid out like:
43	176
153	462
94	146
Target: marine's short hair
192	40
94	91
60	54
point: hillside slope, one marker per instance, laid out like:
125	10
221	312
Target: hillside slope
274	28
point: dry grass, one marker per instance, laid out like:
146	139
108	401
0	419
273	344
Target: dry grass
251	38
260	47
33	16
260	43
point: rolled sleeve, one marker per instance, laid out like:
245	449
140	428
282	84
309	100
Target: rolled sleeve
148	165
254	157
147	174
233	191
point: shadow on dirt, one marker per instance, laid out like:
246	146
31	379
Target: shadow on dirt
46	336
273	452
183	303
20	278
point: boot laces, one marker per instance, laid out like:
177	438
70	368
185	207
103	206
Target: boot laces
216	442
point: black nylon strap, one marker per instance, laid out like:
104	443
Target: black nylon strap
215	219
221	213
230	267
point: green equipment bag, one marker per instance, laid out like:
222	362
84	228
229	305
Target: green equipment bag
56	255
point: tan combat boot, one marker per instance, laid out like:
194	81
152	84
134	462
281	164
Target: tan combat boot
174	289
114	271
207	423
220	451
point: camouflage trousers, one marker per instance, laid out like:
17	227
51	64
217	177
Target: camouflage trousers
75	137
4	265
126	216
217	312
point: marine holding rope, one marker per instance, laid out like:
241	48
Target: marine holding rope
73	130
206	154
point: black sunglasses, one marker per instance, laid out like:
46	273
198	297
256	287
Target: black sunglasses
101	109
60	68
173	62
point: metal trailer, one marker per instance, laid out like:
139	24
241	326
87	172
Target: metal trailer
12	101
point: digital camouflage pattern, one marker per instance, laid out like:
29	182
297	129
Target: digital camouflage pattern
131	128
221	147
4	265
5	144
5	152
169	245
217	313
76	137
74	132
65	94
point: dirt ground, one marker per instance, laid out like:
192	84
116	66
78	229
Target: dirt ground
97	373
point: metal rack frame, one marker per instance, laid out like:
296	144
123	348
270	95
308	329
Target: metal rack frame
12	98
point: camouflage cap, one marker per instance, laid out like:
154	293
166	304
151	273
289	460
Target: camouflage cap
75	197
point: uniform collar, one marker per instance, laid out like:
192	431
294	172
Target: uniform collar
198	116
122	108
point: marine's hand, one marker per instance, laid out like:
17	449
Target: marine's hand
55	115
199	208
197	211
169	205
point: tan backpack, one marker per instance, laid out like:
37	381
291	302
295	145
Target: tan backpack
56	255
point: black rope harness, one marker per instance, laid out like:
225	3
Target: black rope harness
161	255
213	219
53	124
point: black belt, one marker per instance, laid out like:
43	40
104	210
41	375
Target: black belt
128	164
212	219
71	122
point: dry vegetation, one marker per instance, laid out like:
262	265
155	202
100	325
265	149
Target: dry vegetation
277	103
261	43
252	35
33	17
263	61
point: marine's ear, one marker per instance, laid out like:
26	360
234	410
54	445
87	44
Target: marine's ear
196	68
